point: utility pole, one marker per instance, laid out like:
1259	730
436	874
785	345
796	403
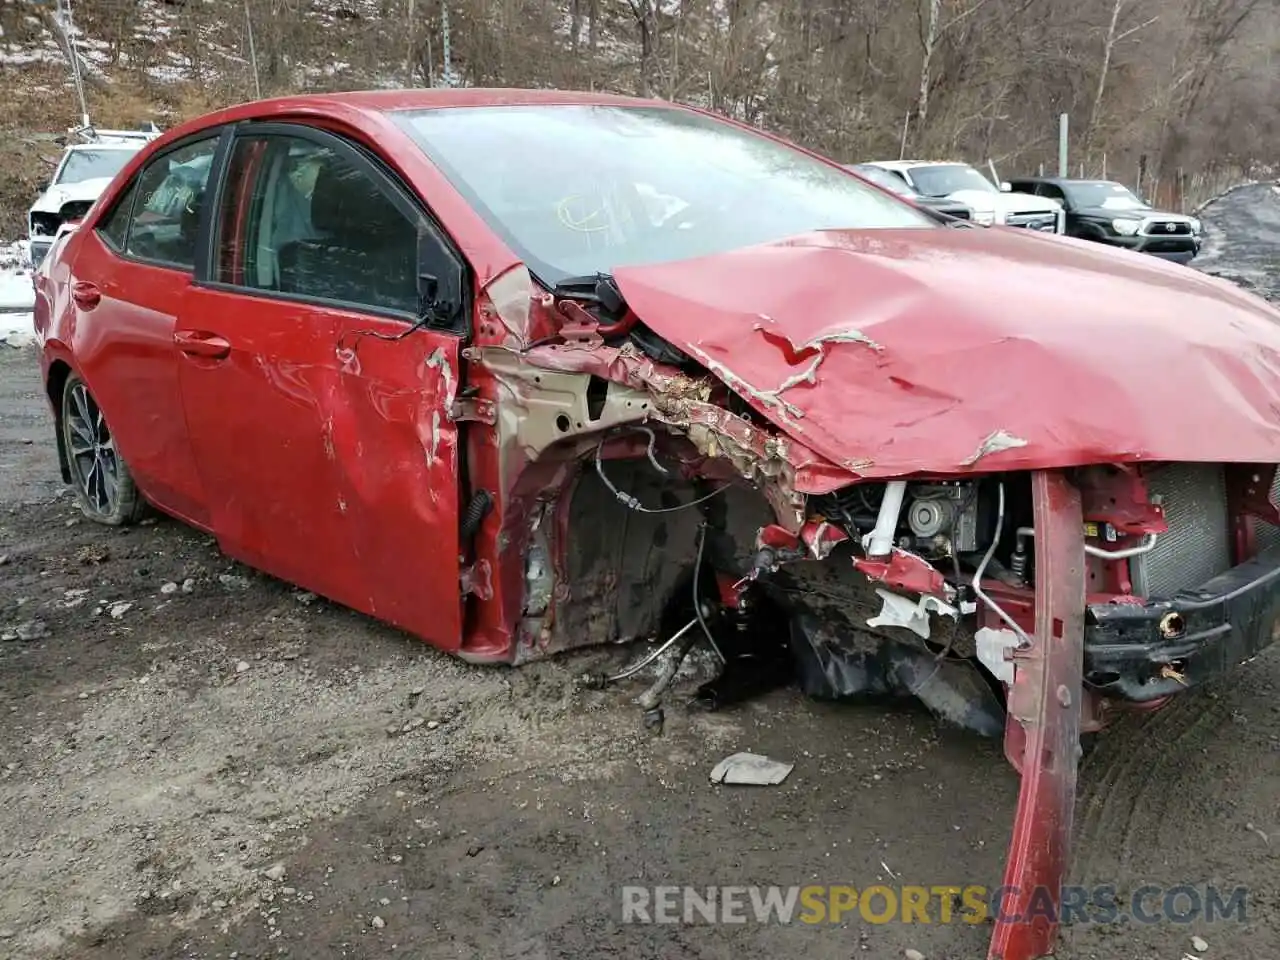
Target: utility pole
444	30
253	54
67	23
1064	123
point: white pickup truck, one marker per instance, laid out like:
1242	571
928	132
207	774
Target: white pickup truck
85	170
990	204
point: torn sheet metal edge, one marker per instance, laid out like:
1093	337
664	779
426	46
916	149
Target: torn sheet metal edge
750	769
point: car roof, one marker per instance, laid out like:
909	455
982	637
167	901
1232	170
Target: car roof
106	145
1065	181
373	104
385	101
909	164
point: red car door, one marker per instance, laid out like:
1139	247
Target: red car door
318	405
129	280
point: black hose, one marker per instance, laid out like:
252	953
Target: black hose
475	513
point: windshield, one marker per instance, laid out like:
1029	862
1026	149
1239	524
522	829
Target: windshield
583	189
945	178
883	178
1113	196
90	164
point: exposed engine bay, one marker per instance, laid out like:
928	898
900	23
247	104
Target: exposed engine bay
655	483
838	536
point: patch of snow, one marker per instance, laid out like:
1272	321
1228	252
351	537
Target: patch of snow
15	56
16	295
167	74
17	329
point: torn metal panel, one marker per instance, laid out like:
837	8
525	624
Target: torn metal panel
1042	738
1118	495
538	408
508	299
784	469
476	580
945	378
907	571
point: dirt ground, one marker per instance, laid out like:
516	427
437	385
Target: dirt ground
197	761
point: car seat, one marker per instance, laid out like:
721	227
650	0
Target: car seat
364	250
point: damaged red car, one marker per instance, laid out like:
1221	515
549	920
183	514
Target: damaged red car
526	371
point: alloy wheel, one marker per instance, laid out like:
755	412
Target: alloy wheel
92	450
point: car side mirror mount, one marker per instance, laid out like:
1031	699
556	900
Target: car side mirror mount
428	299
433	312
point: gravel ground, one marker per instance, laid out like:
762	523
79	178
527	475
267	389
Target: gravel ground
198	761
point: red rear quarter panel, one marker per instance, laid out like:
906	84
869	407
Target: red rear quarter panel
53	317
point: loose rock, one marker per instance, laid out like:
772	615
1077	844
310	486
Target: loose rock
274	873
32	630
242	666
188	585
912	954
168	588
377	923
118	610
1199	944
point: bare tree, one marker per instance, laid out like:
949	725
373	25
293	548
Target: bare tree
1113	38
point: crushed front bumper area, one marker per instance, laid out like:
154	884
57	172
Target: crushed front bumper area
1147	651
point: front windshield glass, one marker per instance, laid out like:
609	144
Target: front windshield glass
582	189
1112	196
945	178
91	164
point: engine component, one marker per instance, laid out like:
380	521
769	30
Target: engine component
944	510
928	518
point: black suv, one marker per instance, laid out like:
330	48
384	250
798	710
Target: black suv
1111	213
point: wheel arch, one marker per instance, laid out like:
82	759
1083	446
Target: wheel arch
55	383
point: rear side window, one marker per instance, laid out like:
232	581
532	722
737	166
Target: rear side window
308	219
165	218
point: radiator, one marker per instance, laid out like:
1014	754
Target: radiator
1198	545
1266	534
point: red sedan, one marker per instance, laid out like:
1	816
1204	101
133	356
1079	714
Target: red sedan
522	371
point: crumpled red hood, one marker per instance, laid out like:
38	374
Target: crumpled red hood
893	352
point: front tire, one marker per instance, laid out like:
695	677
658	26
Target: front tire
104	486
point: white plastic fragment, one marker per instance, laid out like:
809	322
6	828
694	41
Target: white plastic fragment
992	645
900	611
750	768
